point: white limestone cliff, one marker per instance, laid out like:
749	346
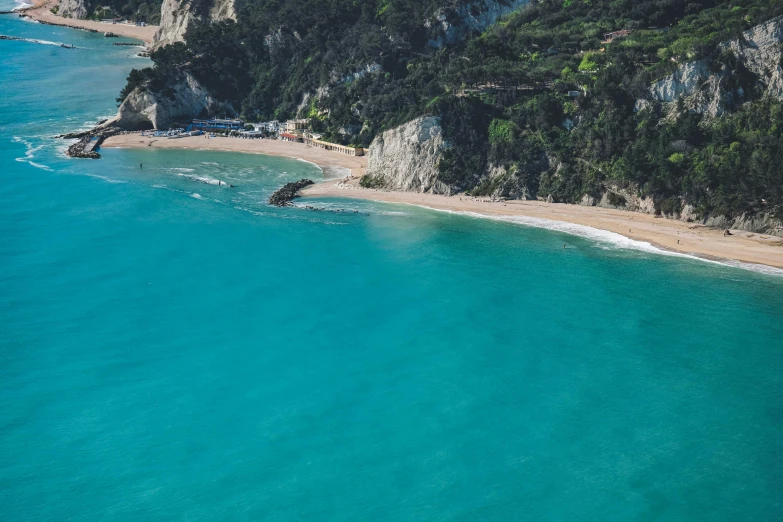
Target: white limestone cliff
72	9
177	15
406	158
710	92
143	109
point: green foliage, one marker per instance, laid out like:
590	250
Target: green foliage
502	95
677	158
588	63
501	131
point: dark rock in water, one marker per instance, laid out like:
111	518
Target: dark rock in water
77	150
283	197
109	34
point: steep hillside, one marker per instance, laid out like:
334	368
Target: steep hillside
652	105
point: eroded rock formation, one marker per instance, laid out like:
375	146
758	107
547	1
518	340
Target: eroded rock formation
709	91
177	15
406	158
186	99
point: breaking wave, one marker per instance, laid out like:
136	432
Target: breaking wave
612	239
29	153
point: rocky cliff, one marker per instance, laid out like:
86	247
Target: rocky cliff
406	158
72	9
710	90
177	15
458	22
186	99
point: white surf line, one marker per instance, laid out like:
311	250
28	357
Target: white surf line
29	153
604	236
33	40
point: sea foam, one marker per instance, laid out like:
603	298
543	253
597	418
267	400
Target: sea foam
606	239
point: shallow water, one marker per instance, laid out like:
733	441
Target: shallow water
174	349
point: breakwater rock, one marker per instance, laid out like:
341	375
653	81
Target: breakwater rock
283	197
85	148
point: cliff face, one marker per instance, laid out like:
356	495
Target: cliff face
143	109
72	9
406	158
177	15
709	91
458	22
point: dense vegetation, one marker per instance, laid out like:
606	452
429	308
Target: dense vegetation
503	95
136	10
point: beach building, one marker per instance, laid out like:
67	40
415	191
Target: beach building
295	126
343	149
268	126
216	125
287	136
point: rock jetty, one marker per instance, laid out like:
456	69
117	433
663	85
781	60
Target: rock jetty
85	148
283	197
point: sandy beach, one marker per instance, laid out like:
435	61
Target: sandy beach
677	236
41	11
331	162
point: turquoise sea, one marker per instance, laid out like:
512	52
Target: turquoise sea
175	350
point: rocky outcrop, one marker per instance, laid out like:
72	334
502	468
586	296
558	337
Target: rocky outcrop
84	148
177	15
758	223
455	23
711	90
289	191
628	198
185	99
406	158
72	9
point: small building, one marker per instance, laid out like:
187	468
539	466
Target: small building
216	125
609	37
295	125
287	136
574	94
343	149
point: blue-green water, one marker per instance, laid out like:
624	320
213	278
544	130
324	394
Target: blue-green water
177	350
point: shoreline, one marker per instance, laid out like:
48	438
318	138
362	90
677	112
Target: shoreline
327	161
694	239
40	12
664	235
